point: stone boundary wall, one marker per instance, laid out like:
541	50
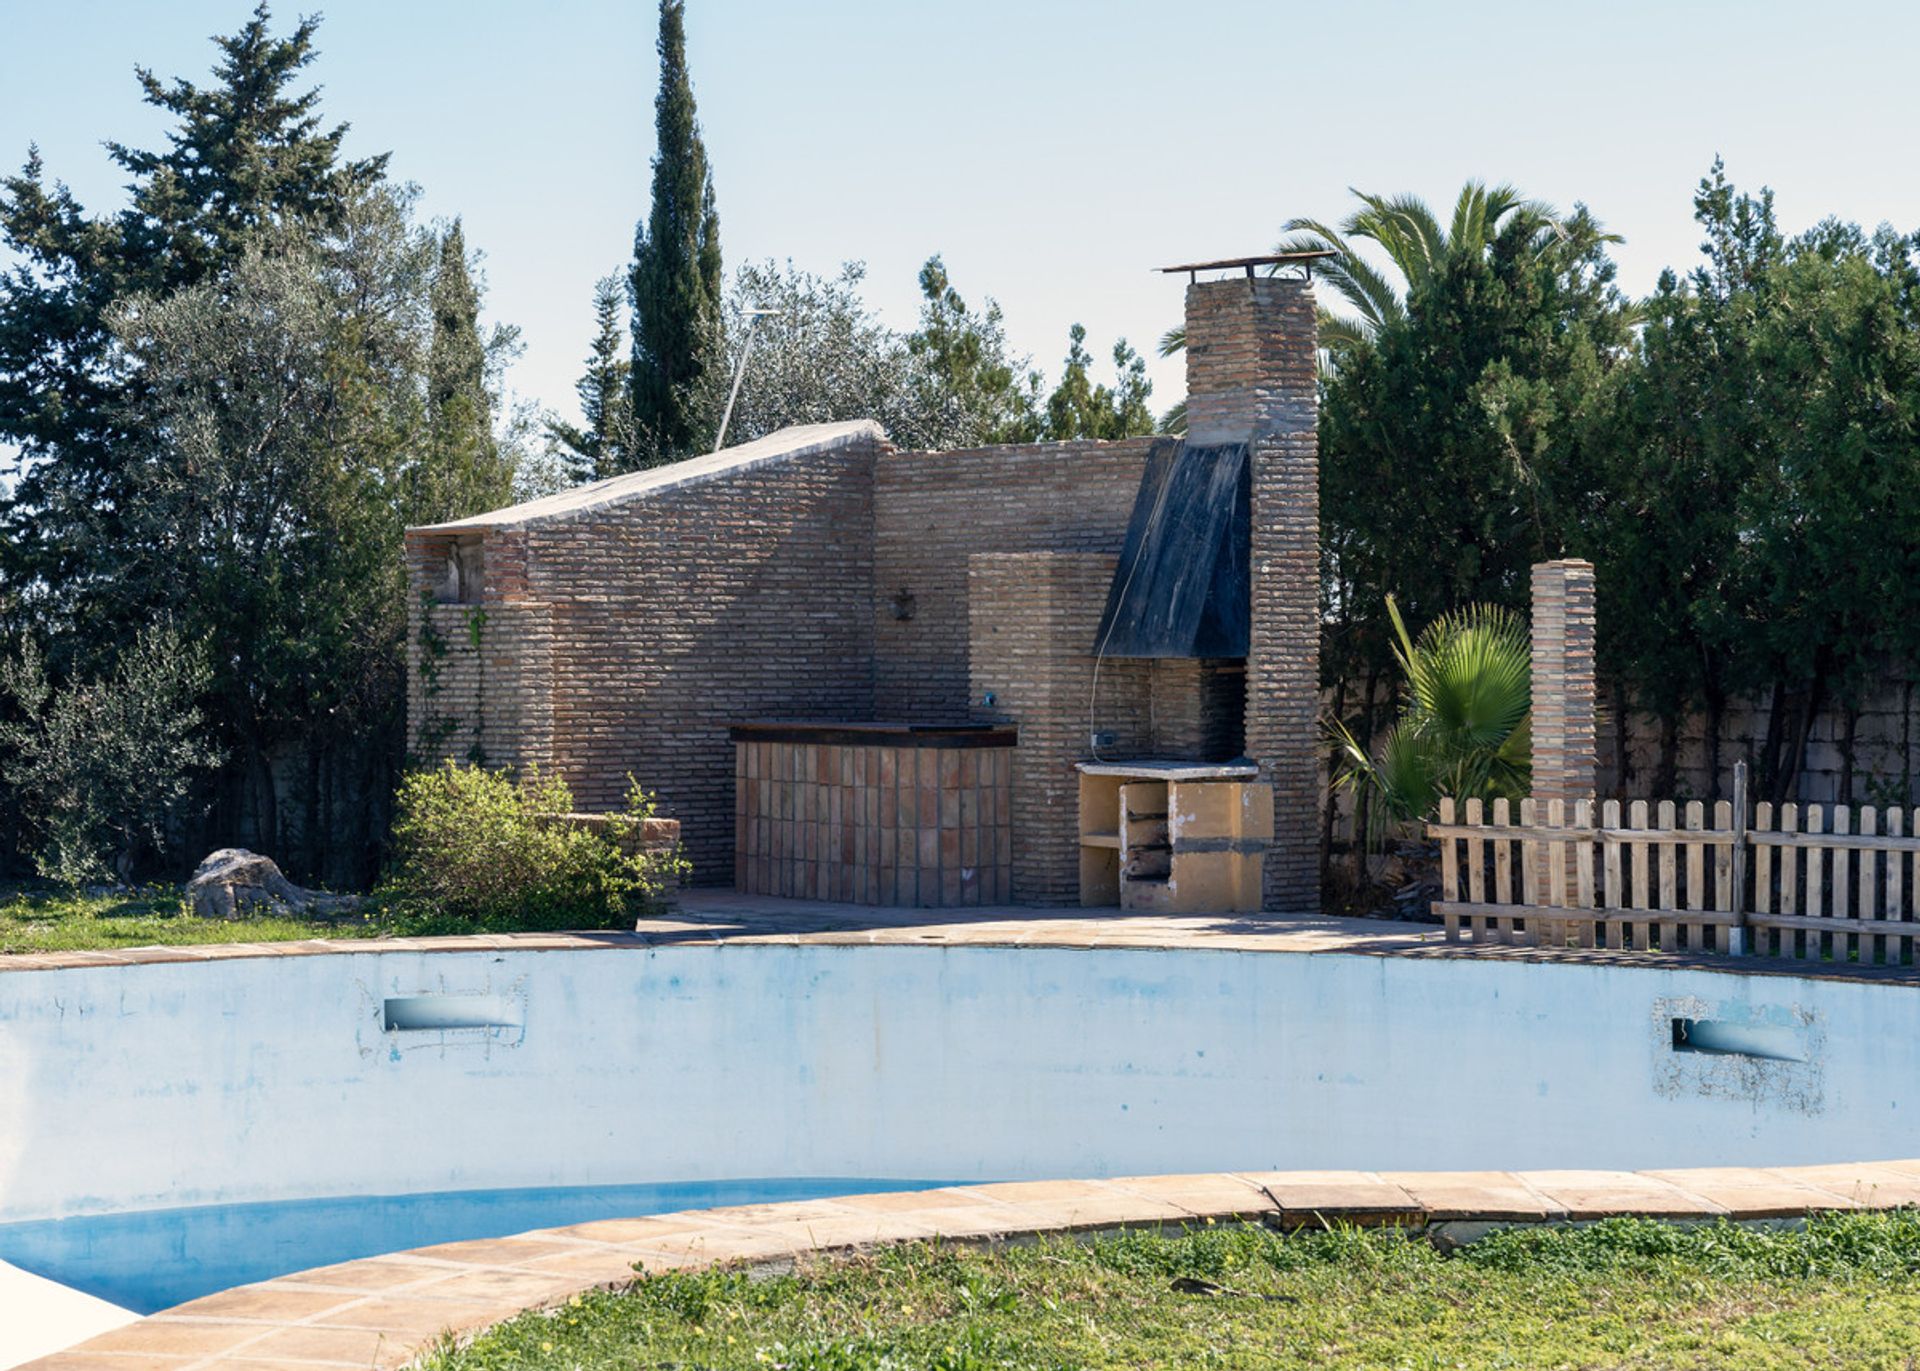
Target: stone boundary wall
1886	750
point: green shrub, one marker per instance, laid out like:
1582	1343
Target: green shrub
483	849
1465	725
101	766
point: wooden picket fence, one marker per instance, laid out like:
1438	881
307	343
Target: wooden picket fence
1834	882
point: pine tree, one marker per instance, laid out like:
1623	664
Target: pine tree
675	283
246	149
603	445
464	472
1078	408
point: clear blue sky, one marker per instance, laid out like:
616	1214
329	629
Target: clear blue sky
1054	151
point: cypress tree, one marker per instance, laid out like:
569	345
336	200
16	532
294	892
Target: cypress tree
465	472
603	445
675	284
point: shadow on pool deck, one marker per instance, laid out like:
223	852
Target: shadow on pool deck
707	916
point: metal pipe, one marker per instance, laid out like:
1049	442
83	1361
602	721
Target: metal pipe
740	373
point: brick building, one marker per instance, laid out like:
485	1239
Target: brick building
819	574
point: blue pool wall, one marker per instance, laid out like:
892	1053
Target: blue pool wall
278	1078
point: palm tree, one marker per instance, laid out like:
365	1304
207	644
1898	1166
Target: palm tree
1464	725
1415	241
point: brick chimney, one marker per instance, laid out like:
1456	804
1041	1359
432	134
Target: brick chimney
1251	362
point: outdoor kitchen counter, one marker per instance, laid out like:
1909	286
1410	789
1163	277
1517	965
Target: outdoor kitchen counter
874	813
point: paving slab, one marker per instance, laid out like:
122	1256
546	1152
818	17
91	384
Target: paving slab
273	1302
176	1338
1868	1186
1610	1194
1353	1197
1201	1196
1071	1205
1488	1196
1750	1193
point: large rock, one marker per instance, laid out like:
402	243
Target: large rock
233	883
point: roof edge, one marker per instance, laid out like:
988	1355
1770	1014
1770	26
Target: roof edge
795	440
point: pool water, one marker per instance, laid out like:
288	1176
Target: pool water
151	1259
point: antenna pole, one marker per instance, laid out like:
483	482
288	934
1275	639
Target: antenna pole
739	374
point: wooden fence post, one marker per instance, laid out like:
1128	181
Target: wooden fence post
1737	932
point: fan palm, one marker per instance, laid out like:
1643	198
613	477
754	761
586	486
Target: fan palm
1464	721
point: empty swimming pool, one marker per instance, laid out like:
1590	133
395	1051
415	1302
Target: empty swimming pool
174	1127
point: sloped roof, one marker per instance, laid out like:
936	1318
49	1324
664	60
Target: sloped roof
798	440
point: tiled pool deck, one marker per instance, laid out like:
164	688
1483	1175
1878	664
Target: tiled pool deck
706	917
384	1311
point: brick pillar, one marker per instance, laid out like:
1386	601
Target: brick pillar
1251	360
1566	756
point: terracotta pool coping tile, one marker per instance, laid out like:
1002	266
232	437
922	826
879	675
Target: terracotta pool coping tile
1494	1196
72	1360
394	1271
1747	1192
405	1313
776	1211
1905	1166
1608	1194
242	1363
186	1338
307	1342
1200	1195
641	1229
269	1302
1355	1197
1862	1185
1075	1205
980	1223
717	1243
486	1284
866	1229
594	1267
513	1251
891	1201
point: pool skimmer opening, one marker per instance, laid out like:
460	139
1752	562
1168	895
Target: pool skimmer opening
1717	1037
438	1013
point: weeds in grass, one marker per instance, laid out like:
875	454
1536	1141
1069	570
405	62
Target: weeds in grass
1841	1288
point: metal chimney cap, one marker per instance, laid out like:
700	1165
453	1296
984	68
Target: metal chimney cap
1303	260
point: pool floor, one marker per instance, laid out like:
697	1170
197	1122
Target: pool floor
151	1259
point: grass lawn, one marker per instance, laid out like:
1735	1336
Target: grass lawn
1843	1291
48	919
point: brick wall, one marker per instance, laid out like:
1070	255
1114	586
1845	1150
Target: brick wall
1251	359
747	594
1033	616
934	509
1199	708
1564	758
485	691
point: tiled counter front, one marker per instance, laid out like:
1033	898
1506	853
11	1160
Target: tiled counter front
882	814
